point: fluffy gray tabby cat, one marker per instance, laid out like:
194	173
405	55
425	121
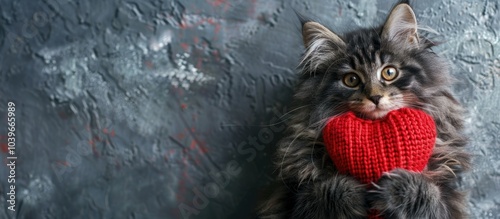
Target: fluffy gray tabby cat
371	72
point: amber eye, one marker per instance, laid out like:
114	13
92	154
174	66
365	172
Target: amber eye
389	73
351	80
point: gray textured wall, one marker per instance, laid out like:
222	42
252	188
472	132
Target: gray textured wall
132	108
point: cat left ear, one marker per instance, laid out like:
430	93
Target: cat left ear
401	25
322	45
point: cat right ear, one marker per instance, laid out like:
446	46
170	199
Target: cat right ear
401	25
321	44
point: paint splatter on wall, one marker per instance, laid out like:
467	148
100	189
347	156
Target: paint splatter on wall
170	109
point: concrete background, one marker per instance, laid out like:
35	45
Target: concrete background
143	108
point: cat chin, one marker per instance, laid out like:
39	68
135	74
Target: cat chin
374	114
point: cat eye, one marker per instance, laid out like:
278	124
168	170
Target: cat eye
389	73
351	80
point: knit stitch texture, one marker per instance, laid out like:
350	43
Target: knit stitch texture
365	149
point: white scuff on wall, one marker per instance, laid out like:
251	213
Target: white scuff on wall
184	75
72	63
77	69
159	42
69	64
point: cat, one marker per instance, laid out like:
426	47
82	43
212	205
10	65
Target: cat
370	72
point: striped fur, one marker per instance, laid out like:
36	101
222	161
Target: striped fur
308	185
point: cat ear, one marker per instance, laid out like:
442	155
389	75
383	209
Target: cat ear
401	25
313	32
321	44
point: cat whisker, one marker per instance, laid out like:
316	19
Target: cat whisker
376	186
269	125
288	113
433	110
316	127
299	134
323	123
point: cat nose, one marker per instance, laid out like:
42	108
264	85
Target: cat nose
375	99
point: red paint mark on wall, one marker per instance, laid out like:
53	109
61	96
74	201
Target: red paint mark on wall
180	136
193	144
63	163
199	64
108	132
203	147
4	148
184	24
185	46
217	3
215	24
168	154
251	10
199	146
183	106
149	64
94	148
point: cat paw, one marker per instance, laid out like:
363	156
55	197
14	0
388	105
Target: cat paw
339	197
404	194
347	197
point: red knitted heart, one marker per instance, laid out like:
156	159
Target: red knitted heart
365	149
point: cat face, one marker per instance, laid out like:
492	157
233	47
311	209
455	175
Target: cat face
371	71
372	92
374	80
